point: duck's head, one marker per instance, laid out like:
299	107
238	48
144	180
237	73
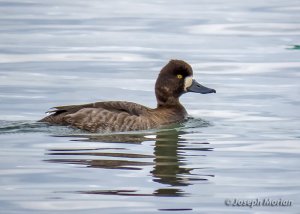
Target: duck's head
175	79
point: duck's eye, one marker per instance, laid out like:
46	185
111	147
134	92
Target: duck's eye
179	76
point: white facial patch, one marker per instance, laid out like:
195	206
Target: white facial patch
188	81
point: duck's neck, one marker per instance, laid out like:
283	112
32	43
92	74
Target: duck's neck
170	103
172	109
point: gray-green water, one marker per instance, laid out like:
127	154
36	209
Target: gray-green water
242	142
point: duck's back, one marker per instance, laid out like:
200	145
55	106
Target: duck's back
103	116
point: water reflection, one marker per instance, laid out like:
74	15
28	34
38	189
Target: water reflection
169	165
115	160
169	159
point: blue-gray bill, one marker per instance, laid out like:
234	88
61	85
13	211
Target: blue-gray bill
198	88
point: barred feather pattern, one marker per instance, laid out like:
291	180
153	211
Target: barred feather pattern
113	116
102	120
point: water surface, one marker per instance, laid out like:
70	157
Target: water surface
242	142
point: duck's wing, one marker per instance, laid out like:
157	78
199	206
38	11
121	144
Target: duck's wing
114	106
110	116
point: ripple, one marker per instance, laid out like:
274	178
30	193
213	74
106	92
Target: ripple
27	126
76	204
7	127
249	29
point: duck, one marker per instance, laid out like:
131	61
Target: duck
174	80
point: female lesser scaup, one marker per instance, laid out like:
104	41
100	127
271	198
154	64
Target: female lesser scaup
175	79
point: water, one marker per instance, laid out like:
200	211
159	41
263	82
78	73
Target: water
242	142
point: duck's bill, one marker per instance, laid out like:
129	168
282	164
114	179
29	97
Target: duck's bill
198	88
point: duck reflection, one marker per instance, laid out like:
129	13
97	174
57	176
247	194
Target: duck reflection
117	157
168	160
170	163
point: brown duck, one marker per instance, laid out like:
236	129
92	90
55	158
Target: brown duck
175	79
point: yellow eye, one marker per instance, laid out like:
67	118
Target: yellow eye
179	76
